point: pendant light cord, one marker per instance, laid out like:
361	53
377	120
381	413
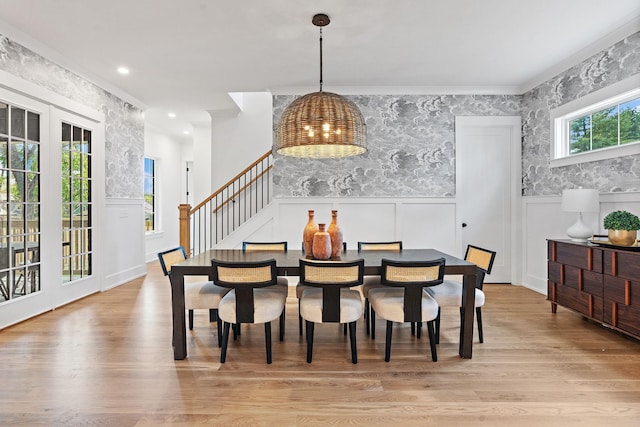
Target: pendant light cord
320	59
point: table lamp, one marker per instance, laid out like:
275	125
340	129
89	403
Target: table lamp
580	200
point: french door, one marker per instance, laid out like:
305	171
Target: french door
75	140
48	189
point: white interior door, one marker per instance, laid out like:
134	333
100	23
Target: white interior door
487	184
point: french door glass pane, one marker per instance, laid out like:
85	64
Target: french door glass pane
76	202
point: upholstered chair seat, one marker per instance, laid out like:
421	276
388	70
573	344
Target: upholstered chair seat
268	304
200	295
327	297
372	282
403	299
254	298
311	305
393	306
449	293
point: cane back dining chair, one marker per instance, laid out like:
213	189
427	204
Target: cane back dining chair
402	297
265	247
254	297
449	293
328	299
300	287
198	295
371	282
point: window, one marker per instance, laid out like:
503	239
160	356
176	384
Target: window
150	194
601	125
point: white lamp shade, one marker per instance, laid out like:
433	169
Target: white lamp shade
580	200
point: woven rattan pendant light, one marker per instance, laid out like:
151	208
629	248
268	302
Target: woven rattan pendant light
321	124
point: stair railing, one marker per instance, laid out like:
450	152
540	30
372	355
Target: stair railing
224	211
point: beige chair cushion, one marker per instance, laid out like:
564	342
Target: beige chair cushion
388	304
371	282
449	293
268	304
203	295
311	305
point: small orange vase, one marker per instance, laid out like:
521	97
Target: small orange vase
321	243
336	235
307	235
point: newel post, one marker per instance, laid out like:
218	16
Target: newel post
185	224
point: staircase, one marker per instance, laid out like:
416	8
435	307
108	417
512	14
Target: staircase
224	211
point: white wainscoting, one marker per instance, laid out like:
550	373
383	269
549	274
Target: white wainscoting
543	219
418	222
124	241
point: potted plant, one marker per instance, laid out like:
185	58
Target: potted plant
623	227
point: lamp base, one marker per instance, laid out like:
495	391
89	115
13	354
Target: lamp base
579	232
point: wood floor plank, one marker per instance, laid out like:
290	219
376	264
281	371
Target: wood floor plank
107	360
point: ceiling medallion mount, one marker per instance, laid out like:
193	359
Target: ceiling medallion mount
320	20
321	125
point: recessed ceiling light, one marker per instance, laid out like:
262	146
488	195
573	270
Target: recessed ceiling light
186	132
123	70
172	115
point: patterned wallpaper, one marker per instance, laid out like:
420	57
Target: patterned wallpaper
616	63
124	126
411	140
411	148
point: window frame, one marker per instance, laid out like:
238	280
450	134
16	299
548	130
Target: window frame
617	93
154	179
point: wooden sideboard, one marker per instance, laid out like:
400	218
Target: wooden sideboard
600	283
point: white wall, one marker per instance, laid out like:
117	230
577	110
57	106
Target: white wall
168	154
240	140
202	161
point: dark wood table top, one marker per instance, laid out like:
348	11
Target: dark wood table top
288	262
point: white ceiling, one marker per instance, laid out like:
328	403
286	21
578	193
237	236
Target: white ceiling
186	56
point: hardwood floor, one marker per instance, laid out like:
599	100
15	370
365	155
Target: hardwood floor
107	361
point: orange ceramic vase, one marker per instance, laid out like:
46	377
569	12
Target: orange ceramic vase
336	235
321	243
307	235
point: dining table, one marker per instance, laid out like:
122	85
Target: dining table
288	264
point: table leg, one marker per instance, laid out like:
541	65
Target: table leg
178	309
468	311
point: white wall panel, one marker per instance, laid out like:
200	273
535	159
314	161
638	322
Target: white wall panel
418	223
124	241
429	225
